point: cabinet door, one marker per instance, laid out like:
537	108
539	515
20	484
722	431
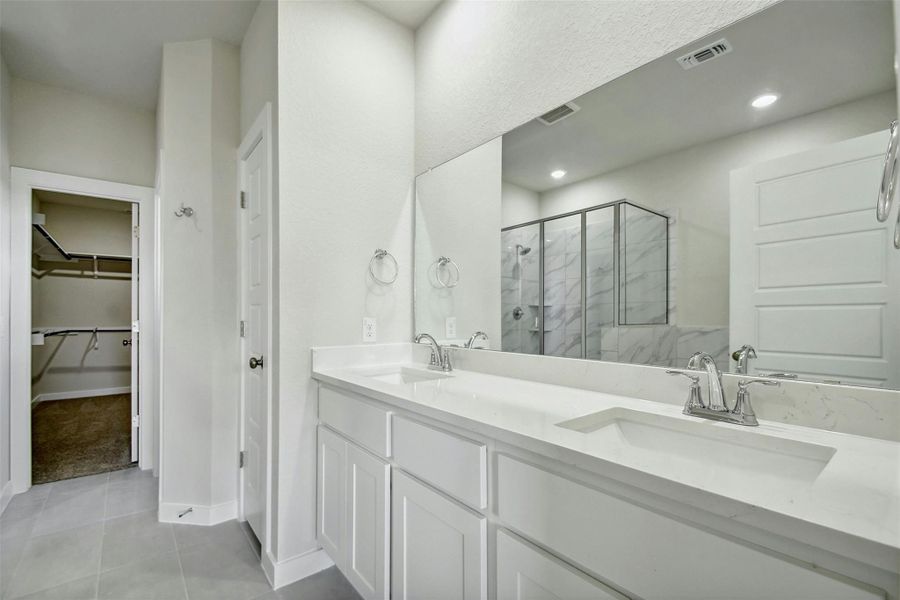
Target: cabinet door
368	519
439	545
525	572
332	496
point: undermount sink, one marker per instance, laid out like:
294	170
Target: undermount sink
703	450
406	375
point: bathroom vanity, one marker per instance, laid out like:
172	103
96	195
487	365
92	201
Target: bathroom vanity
477	485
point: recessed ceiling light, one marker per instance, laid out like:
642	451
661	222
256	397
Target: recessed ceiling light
558	174
764	101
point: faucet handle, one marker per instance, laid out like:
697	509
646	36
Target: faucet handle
780	375
744	384
695	395
693	378
742	407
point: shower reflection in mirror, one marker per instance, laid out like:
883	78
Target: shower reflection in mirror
587	271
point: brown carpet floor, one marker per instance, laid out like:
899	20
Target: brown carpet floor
80	436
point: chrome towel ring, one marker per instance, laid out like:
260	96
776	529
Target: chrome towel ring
379	256
446	272
888	181
897	232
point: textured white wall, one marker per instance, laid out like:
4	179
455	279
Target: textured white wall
259	63
199	131
518	205
695	182
483	67
61	131
4	271
458	216
224	343
346	92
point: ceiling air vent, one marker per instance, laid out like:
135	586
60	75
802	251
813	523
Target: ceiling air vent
704	54
551	117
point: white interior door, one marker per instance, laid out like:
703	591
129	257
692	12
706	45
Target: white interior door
815	282
255	331
135	331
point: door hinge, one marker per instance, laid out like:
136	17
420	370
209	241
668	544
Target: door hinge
243	328
243	199
136	420
241	459
137	231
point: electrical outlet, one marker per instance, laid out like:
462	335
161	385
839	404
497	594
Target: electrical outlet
450	327
369	329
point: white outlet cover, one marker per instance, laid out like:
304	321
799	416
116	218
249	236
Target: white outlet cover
450	326
369	332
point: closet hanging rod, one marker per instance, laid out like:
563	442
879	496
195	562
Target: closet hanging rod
77	255
53	331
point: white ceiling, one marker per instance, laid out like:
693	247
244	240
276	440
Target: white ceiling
411	13
111	49
815	54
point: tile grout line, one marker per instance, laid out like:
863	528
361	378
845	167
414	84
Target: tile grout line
180	564
102	539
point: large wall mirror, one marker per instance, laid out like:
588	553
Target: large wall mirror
719	197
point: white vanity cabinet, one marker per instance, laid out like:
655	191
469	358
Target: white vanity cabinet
439	545
654	556
407	506
353	513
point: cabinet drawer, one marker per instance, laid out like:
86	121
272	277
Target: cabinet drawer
452	463
648	554
366	424
525	572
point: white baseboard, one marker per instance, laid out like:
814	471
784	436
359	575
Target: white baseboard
293	569
199	515
6	495
81	394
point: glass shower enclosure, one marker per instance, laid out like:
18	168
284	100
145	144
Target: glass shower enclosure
567	280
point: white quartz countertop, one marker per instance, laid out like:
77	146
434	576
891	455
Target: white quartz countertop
853	502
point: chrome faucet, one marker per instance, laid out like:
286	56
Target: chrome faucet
742	356
440	357
701	360
741	414
475	336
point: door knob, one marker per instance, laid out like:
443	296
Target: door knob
126	342
256	362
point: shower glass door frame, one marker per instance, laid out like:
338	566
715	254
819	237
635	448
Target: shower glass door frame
617	207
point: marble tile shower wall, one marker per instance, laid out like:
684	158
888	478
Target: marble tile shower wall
562	287
645	267
519	288
663	345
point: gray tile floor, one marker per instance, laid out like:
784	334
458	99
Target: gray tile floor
98	538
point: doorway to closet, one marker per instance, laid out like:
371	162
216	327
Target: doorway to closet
83	335
84	356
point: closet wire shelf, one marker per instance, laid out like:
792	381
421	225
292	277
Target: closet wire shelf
77	255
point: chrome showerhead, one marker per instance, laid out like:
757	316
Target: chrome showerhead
523	250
